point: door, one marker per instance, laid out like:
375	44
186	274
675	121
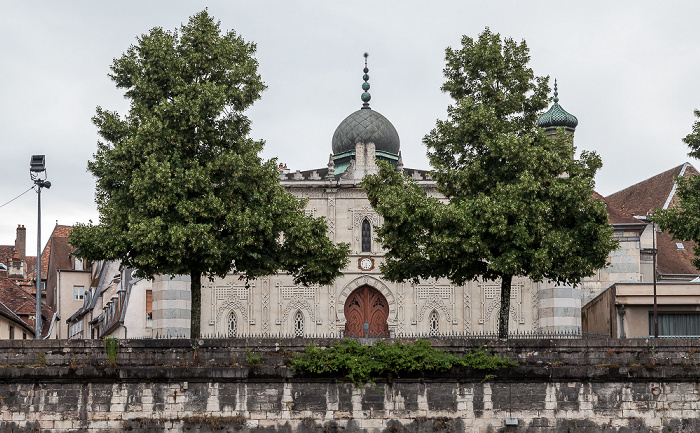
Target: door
366	312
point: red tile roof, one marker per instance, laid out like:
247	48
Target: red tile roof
59	231
615	214
654	193
23	304
659	192
674	260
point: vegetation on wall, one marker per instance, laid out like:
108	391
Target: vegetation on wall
361	364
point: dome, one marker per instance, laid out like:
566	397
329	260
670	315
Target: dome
365	126
556	116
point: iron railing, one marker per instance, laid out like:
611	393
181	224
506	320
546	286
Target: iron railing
517	335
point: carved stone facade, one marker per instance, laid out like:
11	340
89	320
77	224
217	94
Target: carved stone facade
275	305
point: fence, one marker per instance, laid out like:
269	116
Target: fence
533	335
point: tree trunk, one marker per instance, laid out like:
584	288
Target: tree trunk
503	314
196	293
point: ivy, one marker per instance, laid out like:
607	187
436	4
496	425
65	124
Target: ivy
361	364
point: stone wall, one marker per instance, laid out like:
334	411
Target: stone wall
208	385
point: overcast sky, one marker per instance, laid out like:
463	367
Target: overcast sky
629	70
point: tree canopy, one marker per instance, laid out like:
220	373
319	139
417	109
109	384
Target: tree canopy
519	203
683	221
181	188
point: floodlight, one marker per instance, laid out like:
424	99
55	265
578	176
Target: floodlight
37	163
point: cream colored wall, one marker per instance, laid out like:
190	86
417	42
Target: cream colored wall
5	324
624	264
65	303
269	304
135	319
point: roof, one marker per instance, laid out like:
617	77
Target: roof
556	116
657	192
615	214
320	174
366	126
59	231
5	311
672	260
6	253
23	304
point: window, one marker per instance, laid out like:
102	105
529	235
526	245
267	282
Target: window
149	304
676	324
232	324
12	332
299	324
78	293
366	236
79	264
434	323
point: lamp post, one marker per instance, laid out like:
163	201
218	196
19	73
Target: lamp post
36	167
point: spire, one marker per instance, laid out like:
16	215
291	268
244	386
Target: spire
365	86
556	116
331	167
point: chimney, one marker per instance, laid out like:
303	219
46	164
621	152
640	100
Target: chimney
21	242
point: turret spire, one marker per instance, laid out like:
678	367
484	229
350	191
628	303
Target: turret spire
365	86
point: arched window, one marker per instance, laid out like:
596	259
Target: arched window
299	324
366	236
232	324
434	323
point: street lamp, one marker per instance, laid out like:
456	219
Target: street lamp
36	167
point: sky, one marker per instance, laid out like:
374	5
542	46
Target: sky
628	70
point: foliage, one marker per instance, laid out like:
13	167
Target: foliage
683	221
181	188
519	203
112	349
253	359
360	364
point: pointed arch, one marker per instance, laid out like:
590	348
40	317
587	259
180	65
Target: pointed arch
298	324
366	236
232	323
373	282
434	324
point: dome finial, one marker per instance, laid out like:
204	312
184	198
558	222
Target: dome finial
365	86
556	116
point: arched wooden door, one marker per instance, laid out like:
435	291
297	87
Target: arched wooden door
366	312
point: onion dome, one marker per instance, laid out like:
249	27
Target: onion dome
364	126
557	117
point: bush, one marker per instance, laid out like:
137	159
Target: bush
360	364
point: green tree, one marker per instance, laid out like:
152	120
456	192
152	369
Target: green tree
519	203
181	188
683	221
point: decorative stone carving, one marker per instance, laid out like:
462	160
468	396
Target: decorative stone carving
432	296
491	303
356	217
296	298
230	295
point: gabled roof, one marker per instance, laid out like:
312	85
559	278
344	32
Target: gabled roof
672	260
10	315
23	304
615	214
59	231
657	192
